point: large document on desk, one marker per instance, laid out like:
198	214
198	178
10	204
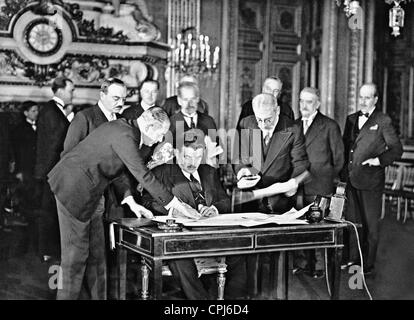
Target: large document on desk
247	219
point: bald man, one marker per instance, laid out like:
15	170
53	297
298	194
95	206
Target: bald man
172	105
273	86
371	144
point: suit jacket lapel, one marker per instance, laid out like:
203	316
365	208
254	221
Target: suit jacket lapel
181	187
365	128
314	129
60	113
279	139
181	118
99	115
205	183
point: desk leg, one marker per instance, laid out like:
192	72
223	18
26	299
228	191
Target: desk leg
279	275
286	274
254	275
145	278
335	257
121	267
156	277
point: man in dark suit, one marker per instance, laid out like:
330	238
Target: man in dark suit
6	156
148	92
52	126
273	86
24	142
325	151
199	186
371	144
172	106
188	117
273	146
78	182
112	97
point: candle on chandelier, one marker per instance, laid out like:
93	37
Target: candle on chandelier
202	51
193	51
216	56
208	54
177	55
178	40
182	49
187	56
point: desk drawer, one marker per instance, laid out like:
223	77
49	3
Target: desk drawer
137	241
208	244
293	239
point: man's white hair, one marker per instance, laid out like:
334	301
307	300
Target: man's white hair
264	101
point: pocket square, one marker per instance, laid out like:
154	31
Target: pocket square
374	127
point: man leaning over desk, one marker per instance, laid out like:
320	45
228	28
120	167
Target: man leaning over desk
198	185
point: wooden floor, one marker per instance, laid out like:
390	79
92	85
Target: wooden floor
23	276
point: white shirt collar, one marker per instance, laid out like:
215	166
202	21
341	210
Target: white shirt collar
32	123
60	104
145	106
70	116
109	115
370	112
311	117
59	101
187	118
188	175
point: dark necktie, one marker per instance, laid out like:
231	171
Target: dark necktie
366	114
197	190
192	124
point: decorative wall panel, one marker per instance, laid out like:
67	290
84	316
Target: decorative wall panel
83	40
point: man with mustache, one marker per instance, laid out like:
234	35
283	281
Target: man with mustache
326	156
371	144
189	117
199	186
78	182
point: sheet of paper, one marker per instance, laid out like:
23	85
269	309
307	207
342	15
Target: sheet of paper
248	219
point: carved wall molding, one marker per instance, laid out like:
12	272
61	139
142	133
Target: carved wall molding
328	58
84	42
353	70
182	14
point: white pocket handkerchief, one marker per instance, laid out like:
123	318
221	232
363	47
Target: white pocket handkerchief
374	127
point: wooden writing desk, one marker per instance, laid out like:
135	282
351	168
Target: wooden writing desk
156	246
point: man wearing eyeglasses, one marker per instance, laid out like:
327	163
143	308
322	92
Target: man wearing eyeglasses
199	186
273	86
273	146
111	100
278	156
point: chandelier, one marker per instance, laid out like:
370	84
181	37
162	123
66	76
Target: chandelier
191	53
396	13
396	16
350	7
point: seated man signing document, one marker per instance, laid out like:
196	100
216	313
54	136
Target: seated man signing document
198	186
